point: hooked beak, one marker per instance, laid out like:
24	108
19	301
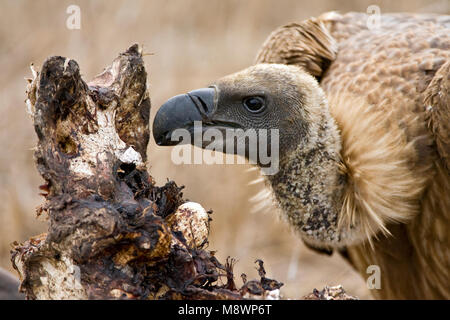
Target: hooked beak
181	111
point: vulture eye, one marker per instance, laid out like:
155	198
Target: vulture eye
254	104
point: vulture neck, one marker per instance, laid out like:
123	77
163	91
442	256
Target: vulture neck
309	185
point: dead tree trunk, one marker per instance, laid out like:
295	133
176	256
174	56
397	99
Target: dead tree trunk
113	233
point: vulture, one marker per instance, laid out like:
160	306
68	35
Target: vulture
363	114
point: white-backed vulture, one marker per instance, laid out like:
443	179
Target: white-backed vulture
364	154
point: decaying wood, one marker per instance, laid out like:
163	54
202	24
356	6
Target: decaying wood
113	234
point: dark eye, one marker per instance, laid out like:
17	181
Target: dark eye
254	104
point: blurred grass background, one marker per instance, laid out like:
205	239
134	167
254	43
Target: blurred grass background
193	42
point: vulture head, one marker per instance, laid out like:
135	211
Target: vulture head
268	97
264	96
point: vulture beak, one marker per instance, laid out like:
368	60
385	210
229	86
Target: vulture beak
181	111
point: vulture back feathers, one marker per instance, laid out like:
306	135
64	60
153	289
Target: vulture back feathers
388	89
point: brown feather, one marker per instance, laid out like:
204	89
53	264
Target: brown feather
307	44
437	102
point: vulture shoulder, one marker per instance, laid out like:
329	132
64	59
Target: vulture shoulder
307	44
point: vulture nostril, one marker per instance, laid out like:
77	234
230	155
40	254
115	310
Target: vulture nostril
204	101
200	104
204	105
